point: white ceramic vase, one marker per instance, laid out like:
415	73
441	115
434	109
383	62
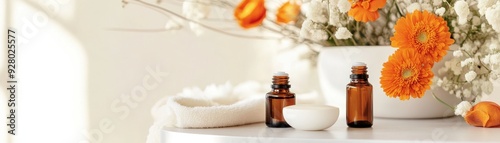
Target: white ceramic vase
334	68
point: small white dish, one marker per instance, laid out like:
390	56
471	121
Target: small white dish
310	116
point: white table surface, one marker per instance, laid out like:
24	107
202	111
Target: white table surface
384	130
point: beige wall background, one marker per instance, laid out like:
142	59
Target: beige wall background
84	82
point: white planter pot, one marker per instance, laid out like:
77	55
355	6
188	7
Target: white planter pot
334	68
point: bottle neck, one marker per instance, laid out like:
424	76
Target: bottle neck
281	90
359	80
280	84
359	74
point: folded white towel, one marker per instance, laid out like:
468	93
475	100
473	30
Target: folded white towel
198	113
216	106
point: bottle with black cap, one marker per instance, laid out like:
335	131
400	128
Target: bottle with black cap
359	106
277	99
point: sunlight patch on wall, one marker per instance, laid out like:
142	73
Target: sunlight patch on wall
52	75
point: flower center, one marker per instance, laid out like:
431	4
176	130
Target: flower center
422	37
406	73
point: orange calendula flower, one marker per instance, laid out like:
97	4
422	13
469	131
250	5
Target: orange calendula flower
365	10
250	13
484	114
427	33
288	12
406	75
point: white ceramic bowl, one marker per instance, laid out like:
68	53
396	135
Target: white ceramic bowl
310	116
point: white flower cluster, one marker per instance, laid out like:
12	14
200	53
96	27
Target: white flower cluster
469	76
196	10
476	54
462	10
493	16
436	6
320	14
476	59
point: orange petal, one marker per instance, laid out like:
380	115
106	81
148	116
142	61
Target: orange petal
377	4
484	114
250	13
288	12
365	10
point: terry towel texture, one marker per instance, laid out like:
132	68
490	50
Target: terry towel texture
216	106
198	113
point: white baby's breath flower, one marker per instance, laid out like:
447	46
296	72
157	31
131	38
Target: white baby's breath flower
458	94
494	74
462	10
343	33
471	75
319	35
318	11
334	17
466	62
457	53
426	6
455	66
313	31
483	5
196	10
494	45
439	82
440	11
467	46
344	6
476	21
486	59
492	16
412	7
467	93
306	27
462	108
476	85
445	84
495	59
437	2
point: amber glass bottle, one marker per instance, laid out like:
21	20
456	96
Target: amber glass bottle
277	99
359	98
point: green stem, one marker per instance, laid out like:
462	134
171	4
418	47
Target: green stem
466	37
166	11
435	97
399	10
489	71
354	42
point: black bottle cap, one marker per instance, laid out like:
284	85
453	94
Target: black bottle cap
280	86
359	76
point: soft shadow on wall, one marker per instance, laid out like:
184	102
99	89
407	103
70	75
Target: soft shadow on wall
52	72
